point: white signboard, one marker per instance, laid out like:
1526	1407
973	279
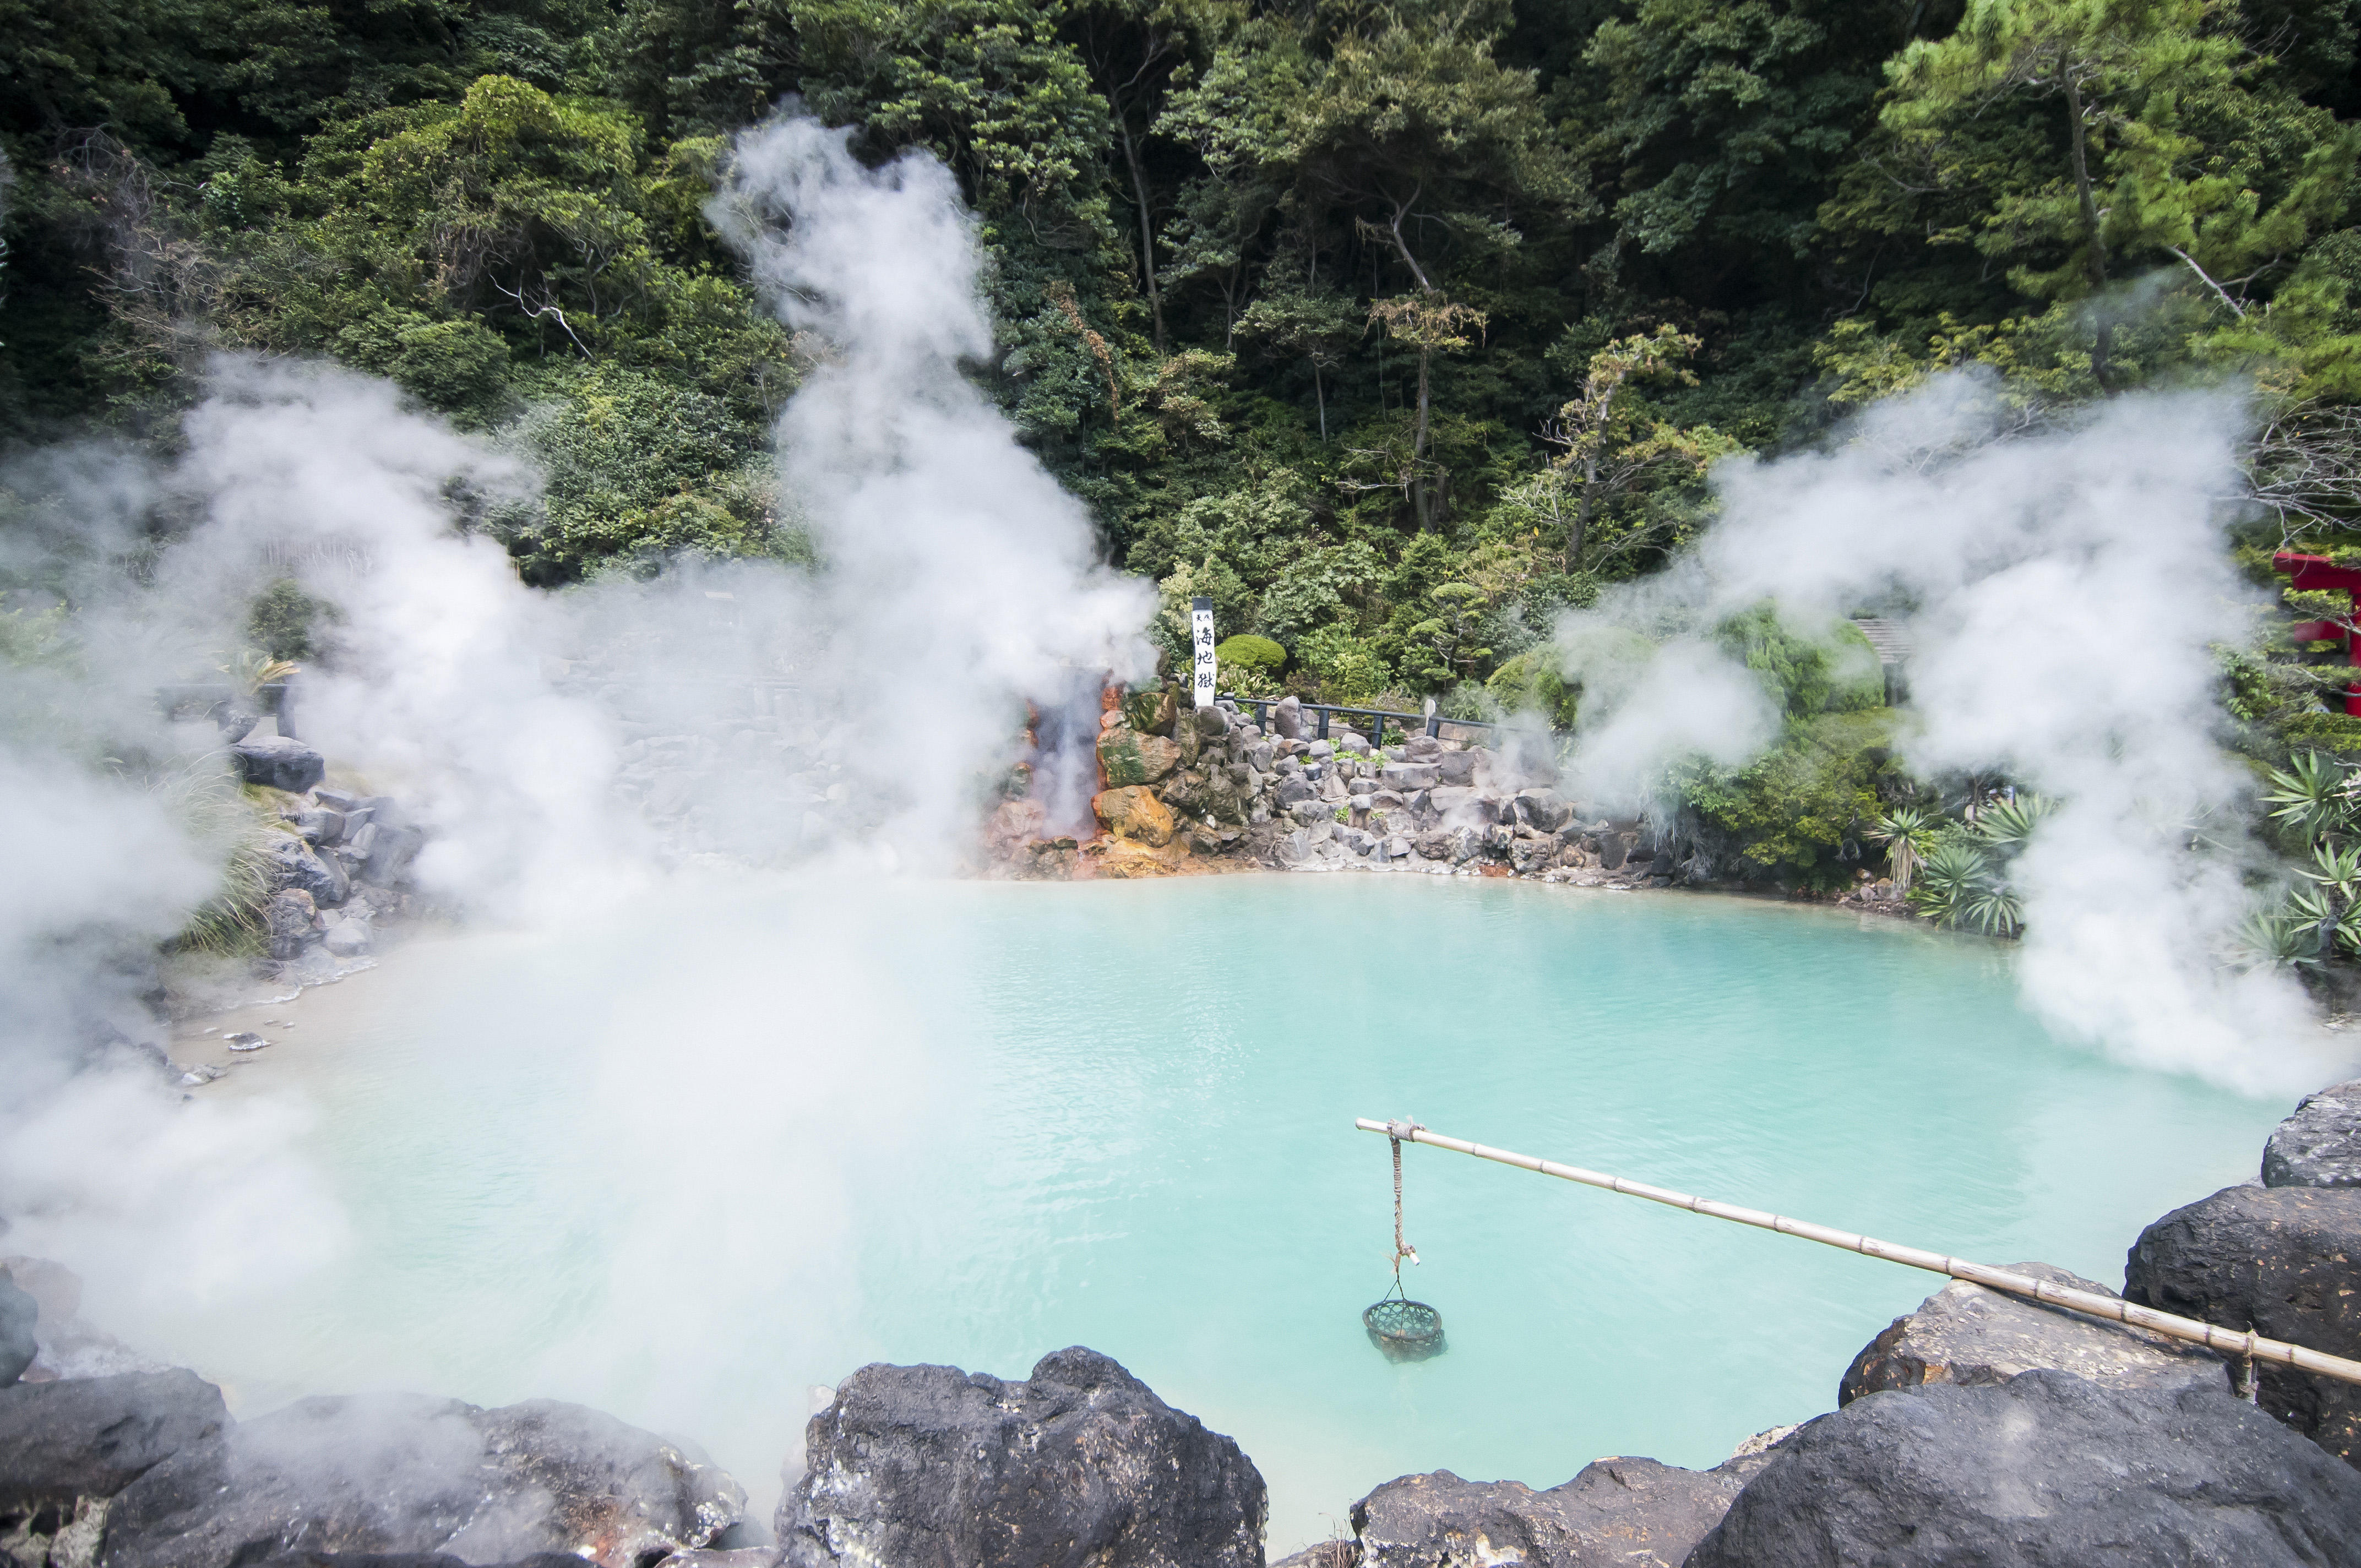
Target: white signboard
1201	639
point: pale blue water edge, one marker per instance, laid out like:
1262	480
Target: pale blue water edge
684	1163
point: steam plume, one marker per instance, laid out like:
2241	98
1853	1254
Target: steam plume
2064	590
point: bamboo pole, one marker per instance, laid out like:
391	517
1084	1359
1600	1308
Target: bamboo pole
2242	1345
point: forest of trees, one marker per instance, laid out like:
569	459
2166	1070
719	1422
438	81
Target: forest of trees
1394	328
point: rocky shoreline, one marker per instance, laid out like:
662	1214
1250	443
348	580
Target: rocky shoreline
1980	1428
1207	791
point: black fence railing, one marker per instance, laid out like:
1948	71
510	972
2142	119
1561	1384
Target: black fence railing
1428	723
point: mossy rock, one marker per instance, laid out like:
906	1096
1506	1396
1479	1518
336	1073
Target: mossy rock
1131	758
1531	683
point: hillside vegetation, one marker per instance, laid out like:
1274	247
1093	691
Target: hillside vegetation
1393	328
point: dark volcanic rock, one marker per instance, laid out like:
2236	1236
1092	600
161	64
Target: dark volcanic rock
293	866
1618	1513
2320	1145
2283	1261
279	762
409	1559
91	1437
405	1473
1079	1466
18	1311
1966	1334
2045	1471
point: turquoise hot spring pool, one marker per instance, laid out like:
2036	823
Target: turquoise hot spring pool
688	1160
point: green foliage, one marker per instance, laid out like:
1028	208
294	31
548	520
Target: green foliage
1797	815
1249	664
285	620
1835	672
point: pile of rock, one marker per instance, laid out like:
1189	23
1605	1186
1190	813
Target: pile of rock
145	1469
338	860
1211	783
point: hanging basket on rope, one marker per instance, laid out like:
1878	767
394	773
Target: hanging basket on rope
1403	1329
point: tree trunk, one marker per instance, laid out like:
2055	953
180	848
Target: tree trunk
1418	452
1146	230
1581	530
1321	397
2095	267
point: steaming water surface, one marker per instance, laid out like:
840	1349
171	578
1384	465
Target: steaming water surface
686	1162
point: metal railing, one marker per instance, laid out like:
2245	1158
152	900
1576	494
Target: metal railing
1429	723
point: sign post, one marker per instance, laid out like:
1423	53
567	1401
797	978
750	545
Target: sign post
1201	639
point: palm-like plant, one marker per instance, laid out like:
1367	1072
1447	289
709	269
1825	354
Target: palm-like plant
2009	823
1952	877
1902	830
2277	940
2315	794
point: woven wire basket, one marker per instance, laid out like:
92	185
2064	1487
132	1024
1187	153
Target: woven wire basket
1404	1331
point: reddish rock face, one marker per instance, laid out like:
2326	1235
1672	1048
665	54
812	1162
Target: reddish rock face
1134	812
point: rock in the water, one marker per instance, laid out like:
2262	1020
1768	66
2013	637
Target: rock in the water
2320	1145
91	1437
289	916
1618	1513
278	762
2283	1261
1131	758
401	1472
18	1312
348	938
1966	1334
2049	1471
293	866
1082	1463
1135	813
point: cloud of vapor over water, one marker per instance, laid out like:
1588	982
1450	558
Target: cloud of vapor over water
958	576
2063	589
561	752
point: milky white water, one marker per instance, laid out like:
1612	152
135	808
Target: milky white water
684	1162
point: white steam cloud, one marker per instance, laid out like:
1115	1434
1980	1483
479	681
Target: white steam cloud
559	752
2063	590
958	576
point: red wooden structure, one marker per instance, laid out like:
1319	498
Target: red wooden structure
2310	573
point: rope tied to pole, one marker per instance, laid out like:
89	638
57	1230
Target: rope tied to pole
1401	1329
1397	1132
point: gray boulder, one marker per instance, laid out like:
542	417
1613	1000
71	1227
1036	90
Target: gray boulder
1287	718
2283	1261
293	866
318	824
18	1311
1542	811
1079	1466
402	1473
1407	776
1458	767
1966	1334
91	1437
291	916
2045	1471
1422	748
278	762
391	849
1212	722
1293	788
1618	1513
2320	1145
